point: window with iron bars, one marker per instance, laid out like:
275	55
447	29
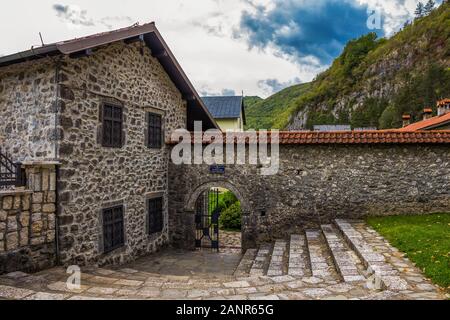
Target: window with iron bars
154	131
112	126
113	228
155	215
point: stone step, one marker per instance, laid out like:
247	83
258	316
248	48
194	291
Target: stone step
298	257
384	275
246	263
277	266
345	261
262	259
321	262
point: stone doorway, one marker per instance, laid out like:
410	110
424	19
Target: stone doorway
237	240
218	221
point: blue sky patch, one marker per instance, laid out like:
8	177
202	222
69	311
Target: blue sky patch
298	29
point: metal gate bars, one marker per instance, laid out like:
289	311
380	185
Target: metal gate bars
207	215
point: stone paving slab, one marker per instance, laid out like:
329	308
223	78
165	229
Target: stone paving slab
46	296
298	261
277	261
261	261
342	256
321	266
8	292
246	263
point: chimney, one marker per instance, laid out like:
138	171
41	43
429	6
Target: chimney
443	107
427	113
406	120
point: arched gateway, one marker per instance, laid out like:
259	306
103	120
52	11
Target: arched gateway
200	206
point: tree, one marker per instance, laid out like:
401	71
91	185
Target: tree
356	50
406	24
420	10
429	7
390	118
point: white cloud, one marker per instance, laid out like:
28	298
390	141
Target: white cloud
199	32
395	12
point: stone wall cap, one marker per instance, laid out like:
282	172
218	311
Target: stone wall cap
40	163
14	192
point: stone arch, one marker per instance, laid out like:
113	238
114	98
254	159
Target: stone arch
248	235
191	199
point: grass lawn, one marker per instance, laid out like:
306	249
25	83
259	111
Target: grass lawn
425	240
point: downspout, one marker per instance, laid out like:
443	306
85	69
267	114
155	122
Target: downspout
57	137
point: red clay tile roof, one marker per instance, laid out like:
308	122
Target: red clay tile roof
354	137
429	123
442	102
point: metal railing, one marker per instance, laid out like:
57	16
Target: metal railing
11	174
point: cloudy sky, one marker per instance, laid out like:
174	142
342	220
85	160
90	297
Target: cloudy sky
225	46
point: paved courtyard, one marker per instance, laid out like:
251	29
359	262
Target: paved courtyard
187	263
173	274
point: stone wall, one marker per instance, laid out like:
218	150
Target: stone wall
27	110
316	184
50	110
27	222
93	177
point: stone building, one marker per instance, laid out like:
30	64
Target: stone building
98	109
91	120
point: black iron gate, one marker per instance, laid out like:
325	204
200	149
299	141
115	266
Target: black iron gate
11	174
207	220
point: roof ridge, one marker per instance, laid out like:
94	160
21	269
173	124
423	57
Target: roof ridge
103	33
427	123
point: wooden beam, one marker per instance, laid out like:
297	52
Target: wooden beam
81	54
160	54
134	39
189	97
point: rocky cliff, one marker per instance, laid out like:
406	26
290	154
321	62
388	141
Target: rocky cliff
375	80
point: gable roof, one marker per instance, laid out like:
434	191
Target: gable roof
226	107
428	124
149	34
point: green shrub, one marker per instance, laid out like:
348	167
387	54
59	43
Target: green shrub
228	199
230	218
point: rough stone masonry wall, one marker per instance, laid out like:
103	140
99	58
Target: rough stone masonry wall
93	177
316	184
27	222
27	110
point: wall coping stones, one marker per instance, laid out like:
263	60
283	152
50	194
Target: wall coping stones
13	192
39	163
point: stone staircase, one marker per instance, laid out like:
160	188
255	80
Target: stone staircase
383	275
325	253
335	259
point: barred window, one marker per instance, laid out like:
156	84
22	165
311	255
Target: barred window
155	215
154	132
113	228
112	126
